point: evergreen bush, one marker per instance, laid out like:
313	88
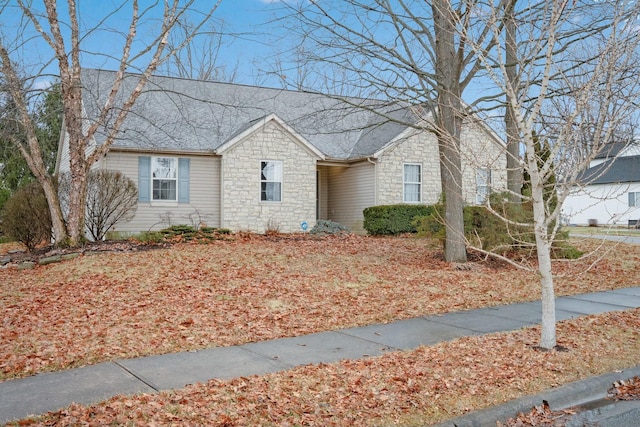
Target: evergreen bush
393	219
489	232
26	218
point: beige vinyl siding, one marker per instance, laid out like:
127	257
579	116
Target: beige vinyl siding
64	163
323	188
204	194
351	189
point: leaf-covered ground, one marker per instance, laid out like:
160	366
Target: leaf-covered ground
412	388
191	296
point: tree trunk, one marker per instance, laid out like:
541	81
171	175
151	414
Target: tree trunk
451	177
60	236
78	166
449	124
514	171
77	203
543	247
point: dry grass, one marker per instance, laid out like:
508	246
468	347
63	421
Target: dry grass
121	305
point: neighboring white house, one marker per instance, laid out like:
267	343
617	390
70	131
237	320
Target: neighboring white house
610	193
251	158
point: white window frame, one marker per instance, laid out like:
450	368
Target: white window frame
483	185
276	179
634	199
406	183
173	179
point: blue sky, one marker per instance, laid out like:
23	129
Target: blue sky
252	22
248	23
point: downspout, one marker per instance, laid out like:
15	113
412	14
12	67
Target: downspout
375	179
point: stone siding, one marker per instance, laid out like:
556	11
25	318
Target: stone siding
242	207
479	150
420	148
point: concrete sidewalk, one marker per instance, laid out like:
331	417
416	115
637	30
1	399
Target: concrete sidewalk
52	391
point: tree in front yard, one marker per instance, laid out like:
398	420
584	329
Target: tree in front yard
57	28
407	51
577	81
47	114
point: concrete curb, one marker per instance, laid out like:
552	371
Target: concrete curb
568	395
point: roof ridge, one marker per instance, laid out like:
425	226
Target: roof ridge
219	82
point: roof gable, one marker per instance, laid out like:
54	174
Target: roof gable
613	149
255	125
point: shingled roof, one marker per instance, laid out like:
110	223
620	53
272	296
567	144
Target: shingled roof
199	116
613	171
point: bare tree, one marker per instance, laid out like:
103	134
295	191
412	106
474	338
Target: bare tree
574	86
429	53
199	59
408	51
61	32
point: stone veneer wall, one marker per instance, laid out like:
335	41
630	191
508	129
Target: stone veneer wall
479	149
419	148
242	207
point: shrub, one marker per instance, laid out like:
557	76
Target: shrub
483	229
324	226
111	197
211	230
562	249
272	228
183	232
393	219
149	237
26	217
5	194
179	230
489	232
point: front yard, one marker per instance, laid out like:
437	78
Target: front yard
191	296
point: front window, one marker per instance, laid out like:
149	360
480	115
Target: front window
271	181
483	185
165	178
634	199
412	183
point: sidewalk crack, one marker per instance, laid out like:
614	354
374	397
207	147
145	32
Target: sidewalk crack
138	377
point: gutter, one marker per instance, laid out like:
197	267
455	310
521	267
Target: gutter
115	148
